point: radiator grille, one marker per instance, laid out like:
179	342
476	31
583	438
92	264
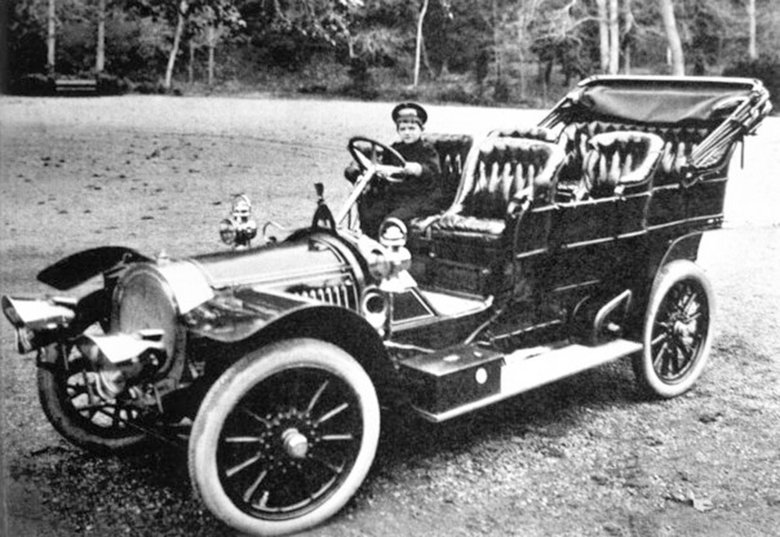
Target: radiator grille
344	295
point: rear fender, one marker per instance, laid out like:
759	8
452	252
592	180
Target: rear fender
684	247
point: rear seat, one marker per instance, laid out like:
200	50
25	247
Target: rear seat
679	142
612	162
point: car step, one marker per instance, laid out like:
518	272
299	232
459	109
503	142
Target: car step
461	379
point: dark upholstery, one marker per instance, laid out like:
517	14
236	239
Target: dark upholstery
616	160
679	142
452	149
533	133
502	173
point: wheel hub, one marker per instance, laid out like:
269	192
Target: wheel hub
296	445
684	332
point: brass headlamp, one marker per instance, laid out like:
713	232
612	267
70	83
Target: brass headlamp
240	228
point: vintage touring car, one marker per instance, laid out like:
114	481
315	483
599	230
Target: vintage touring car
558	248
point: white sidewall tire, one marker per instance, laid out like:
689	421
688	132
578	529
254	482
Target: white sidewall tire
667	278
229	389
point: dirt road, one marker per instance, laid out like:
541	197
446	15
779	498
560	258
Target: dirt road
586	456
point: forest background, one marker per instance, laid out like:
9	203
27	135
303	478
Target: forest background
487	52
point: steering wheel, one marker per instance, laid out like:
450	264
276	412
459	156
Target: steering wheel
394	172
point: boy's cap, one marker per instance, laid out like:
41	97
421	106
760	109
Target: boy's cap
410	112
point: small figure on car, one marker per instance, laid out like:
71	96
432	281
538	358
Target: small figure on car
417	190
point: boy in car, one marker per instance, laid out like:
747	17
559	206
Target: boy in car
418	191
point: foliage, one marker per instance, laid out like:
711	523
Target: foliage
496	50
26	39
457	36
766	68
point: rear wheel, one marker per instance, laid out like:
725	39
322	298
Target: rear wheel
677	332
69	397
284	438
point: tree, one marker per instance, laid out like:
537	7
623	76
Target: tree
672	36
419	41
614	38
181	18
603	18
751	12
208	16
51	39
100	54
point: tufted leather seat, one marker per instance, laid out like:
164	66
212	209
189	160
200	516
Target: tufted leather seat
616	160
679	142
533	133
452	149
504	172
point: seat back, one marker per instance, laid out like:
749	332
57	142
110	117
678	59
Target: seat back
617	160
503	169
679	143
452	150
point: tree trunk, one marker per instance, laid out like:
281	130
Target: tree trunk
191	63
212	41
603	35
51	38
614	38
100	55
751	10
673	37
419	42
182	16
628	38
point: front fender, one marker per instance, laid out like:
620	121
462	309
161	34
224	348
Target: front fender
236	315
249	319
80	267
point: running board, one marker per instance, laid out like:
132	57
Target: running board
467	378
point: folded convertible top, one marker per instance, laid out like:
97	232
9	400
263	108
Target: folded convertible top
658	100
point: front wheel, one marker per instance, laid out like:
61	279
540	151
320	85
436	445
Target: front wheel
67	389
284	437
677	332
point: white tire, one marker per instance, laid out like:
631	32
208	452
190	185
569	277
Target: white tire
284	438
677	334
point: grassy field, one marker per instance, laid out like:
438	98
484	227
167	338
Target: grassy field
586	456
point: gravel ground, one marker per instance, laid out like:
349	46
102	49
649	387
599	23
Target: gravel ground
586	456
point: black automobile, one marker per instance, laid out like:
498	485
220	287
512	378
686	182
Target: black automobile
558	247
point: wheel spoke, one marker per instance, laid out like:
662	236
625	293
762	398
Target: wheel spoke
337	438
686	352
243	439
674	358
659	339
332	467
253	487
237	468
332	413
692	302
316	396
256	417
658	359
694	316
